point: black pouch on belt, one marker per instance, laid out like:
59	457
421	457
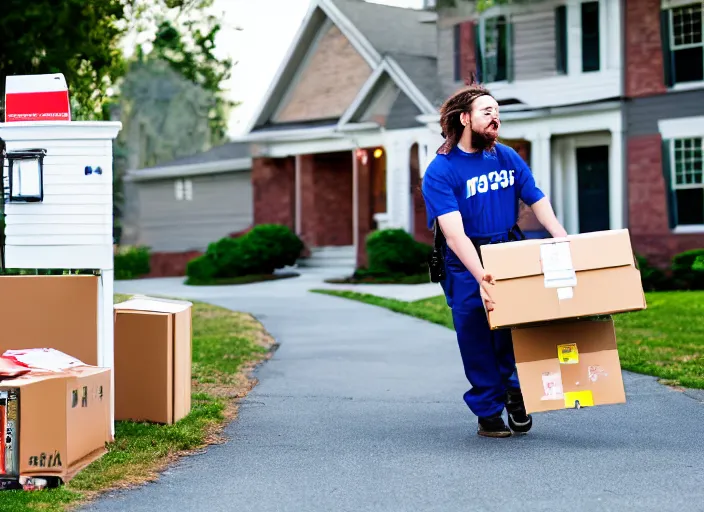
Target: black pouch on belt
436	260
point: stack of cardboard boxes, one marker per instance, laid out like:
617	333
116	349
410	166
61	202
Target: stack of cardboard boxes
557	296
56	421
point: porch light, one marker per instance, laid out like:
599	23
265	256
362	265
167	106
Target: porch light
378	152
26	172
362	156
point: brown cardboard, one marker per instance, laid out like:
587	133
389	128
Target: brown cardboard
59	312
153	342
596	370
59	435
607	280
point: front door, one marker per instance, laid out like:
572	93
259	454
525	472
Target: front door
593	188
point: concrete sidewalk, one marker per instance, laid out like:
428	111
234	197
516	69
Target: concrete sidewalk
361	409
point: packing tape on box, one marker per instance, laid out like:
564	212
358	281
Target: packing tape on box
558	269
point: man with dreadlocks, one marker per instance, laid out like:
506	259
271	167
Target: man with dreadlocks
472	190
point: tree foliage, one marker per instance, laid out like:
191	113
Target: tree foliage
79	38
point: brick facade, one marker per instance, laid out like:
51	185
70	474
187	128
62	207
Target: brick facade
332	78
273	188
468	59
647	204
645	73
170	264
326	199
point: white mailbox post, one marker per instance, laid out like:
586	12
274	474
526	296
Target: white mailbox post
59	209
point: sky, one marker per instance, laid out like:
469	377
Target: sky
267	30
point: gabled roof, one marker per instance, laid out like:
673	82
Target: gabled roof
231	156
374	30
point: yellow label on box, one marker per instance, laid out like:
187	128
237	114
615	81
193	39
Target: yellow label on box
568	354
578	399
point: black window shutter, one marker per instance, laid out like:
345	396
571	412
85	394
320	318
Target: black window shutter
590	36
509	51
457	35
561	39
666	51
670	195
478	56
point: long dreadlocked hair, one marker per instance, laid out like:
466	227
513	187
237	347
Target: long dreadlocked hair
451	110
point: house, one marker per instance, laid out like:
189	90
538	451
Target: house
179	207
664	89
339	138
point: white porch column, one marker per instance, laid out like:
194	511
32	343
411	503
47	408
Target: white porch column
570	190
617	175
297	193
557	185
355	200
398	182
540	164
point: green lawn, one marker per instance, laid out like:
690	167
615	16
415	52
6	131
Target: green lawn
225	344
666	340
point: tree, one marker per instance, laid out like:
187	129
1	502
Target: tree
79	38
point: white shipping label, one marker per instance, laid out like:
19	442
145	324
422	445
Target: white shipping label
565	293
558	270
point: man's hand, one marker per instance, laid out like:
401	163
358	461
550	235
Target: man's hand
485	284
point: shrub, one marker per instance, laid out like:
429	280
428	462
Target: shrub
132	262
201	269
687	269
394	251
261	250
653	278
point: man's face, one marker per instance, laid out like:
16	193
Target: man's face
484	122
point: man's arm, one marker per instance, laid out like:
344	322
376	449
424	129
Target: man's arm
546	216
461	245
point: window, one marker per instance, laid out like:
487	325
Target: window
561	39
183	190
590	36
683	44
688	181
495	57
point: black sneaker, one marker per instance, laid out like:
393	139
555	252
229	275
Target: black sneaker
518	420
493	426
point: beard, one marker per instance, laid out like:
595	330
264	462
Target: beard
486	139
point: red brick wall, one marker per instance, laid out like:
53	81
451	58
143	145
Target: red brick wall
647	204
273	188
326	199
170	264
645	74
468	60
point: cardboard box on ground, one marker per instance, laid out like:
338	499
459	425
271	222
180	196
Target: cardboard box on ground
557	295
152	360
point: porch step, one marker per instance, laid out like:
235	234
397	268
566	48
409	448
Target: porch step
331	256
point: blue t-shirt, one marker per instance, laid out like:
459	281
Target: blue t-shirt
484	187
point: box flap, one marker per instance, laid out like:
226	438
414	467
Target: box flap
153	304
586	251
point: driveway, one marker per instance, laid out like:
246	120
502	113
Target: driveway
361	409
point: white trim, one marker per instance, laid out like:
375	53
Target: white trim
197	169
400	78
355	37
688	86
355	203
681	128
60	130
669	4
691	229
590	140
